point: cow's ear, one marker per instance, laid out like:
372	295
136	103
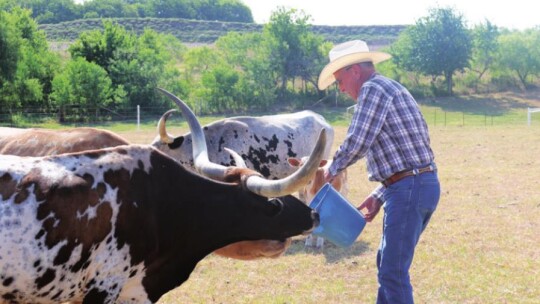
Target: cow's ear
323	162
177	142
277	206
295	162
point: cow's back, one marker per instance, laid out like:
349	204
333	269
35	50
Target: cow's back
43	142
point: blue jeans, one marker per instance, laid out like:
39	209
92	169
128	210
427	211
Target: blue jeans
409	204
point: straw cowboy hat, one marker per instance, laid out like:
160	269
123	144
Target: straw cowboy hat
345	54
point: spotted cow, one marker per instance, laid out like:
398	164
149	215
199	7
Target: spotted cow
264	142
128	224
44	142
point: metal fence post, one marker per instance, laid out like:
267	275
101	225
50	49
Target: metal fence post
138	117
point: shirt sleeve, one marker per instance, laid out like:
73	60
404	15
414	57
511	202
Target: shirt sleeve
368	118
378	193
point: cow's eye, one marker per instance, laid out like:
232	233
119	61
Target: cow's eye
176	143
277	206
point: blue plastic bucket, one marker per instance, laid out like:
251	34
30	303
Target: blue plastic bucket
340	222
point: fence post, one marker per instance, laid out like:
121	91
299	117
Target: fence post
138	117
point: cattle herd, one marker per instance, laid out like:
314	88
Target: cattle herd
86	216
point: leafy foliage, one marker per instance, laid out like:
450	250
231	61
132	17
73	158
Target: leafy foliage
27	66
438	44
83	84
294	49
485	46
135	64
54	11
519	53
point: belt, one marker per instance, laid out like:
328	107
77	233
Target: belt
396	177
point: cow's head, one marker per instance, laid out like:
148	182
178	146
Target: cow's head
179	147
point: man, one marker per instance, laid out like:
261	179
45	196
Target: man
388	129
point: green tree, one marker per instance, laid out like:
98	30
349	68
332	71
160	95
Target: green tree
199	60
485	46
175	9
219	89
28	66
138	64
143	68
248	54
85	84
519	53
108	9
284	35
439	44
102	46
223	10
10	43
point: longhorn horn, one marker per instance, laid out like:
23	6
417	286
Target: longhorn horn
237	158
200	150
293	182
254	183
163	135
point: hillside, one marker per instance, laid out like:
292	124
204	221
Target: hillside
206	32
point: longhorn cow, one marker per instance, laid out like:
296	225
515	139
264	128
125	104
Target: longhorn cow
128	224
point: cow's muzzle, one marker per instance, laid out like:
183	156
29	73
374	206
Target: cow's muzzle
316	221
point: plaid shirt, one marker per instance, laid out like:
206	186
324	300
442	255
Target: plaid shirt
388	128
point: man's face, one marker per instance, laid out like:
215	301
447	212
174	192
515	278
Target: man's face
348	80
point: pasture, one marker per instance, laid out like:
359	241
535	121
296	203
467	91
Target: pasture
482	245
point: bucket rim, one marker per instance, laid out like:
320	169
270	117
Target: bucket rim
322	193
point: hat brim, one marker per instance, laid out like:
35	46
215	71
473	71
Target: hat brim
326	78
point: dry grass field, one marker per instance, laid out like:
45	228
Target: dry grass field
482	245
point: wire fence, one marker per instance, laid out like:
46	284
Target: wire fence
78	116
25	117
440	117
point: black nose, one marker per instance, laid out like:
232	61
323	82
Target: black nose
316	218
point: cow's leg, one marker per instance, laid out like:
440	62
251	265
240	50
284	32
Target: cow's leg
320	243
309	241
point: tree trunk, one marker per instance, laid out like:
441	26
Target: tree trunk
449	83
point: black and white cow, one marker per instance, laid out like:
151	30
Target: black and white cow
264	142
128	224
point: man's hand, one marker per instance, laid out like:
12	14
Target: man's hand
372	205
327	176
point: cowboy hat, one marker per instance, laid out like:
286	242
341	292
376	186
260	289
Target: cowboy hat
345	54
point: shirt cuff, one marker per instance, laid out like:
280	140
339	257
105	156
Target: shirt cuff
378	193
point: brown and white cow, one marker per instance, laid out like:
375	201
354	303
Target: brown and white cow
308	192
128	224
44	142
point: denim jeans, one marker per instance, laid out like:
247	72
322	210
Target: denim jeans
409	204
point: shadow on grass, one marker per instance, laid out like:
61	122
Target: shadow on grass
493	104
332	253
